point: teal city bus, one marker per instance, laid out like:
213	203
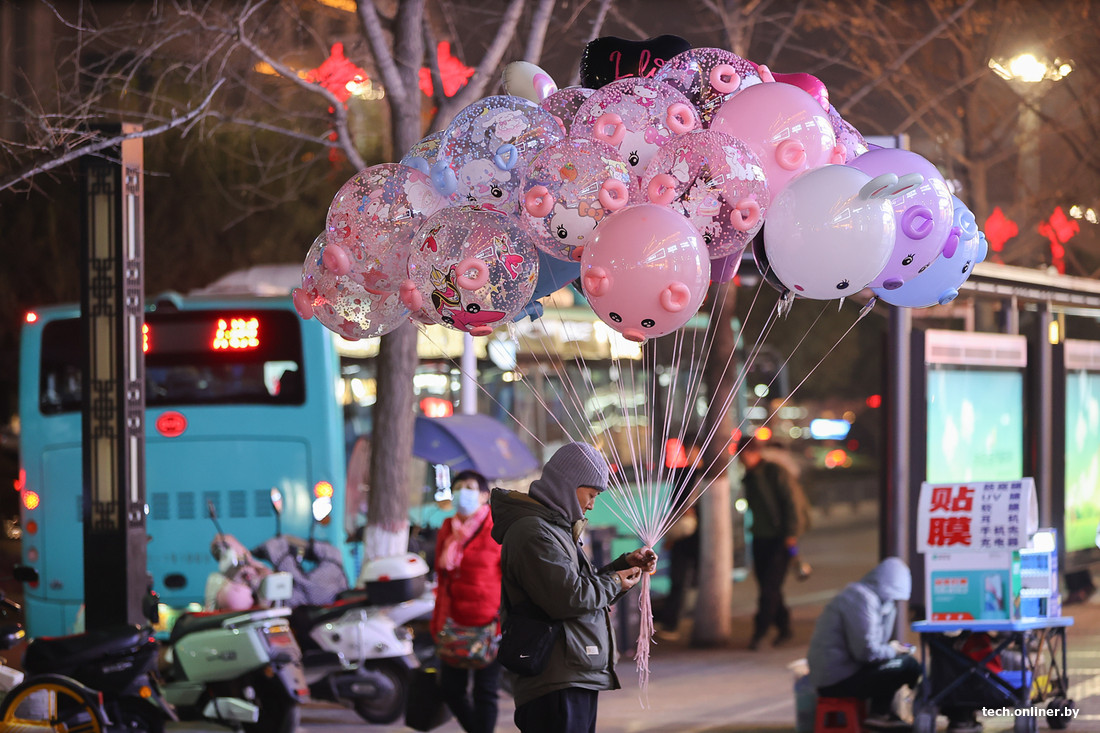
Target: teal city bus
240	398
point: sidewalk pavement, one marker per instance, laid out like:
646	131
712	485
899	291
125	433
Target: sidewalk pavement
734	689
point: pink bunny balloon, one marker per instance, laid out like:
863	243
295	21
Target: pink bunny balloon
646	271
786	128
716	182
635	116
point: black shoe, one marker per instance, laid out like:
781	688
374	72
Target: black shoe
783	638
754	643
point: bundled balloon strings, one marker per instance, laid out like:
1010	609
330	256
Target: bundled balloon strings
655	501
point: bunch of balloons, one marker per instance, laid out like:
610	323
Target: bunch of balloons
643	186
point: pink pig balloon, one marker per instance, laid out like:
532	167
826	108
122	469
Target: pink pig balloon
646	271
786	128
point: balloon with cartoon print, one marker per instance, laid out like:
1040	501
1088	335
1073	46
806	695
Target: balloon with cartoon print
830	231
471	269
637	117
424	154
708	77
371	220
646	271
569	188
847	136
488	146
342	304
924	213
939	284
786	128
714	180
565	103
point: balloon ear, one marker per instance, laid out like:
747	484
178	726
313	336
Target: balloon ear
443	178
596	282
790	155
410	296
951	246
675	297
301	303
335	259
765	73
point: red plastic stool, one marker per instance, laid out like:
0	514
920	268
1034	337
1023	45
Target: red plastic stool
839	715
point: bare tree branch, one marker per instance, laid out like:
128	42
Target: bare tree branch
540	21
57	158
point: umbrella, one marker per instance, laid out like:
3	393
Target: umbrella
476	442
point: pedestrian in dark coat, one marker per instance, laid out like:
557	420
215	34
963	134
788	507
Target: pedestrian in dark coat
543	562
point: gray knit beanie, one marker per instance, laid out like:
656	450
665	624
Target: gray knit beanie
572	466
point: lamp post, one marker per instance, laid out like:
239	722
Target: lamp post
1028	75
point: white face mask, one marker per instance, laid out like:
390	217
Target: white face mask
467	501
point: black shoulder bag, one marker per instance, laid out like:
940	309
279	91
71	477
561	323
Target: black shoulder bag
527	637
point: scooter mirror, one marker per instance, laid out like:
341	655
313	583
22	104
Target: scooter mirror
276	500
322	507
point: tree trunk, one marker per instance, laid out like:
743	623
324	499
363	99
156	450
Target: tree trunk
713	610
387	530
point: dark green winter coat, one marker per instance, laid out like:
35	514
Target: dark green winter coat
541	561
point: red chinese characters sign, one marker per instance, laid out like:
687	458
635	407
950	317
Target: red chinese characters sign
992	515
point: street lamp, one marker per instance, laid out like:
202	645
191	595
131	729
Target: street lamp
1028	68
1027	72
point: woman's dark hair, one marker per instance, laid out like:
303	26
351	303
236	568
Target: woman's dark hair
482	482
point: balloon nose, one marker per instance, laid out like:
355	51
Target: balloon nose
892	284
633	334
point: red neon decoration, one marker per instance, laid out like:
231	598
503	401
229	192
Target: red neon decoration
999	229
335	72
1059	229
453	72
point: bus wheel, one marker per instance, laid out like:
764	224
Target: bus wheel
50	703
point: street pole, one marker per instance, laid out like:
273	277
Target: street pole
896	495
113	414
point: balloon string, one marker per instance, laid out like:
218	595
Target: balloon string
645	637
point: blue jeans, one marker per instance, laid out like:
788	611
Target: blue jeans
572	710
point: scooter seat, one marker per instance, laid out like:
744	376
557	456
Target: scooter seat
313	615
191	622
64	653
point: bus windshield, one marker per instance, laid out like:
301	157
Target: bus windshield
191	358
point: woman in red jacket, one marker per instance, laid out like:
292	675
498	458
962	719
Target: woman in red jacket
467	564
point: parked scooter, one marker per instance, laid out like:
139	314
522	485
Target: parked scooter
11	633
101	680
357	650
241	668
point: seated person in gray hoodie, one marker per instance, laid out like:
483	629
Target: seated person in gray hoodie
542	561
852	653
